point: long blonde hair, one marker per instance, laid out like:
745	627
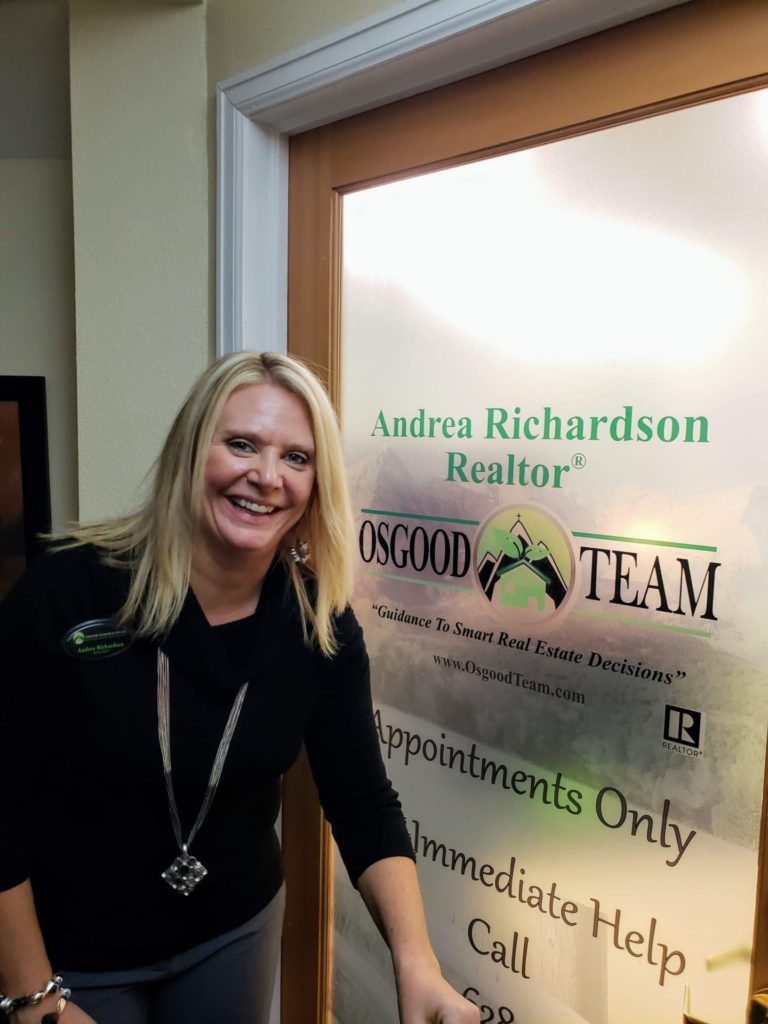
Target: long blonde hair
155	543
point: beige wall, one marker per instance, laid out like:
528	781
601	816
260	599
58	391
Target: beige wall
244	33
37	316
37	336
143	146
140	186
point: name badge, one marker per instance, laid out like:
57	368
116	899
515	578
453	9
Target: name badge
97	638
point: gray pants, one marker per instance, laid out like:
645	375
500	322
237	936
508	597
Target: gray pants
229	979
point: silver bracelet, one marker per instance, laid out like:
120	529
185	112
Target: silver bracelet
54	986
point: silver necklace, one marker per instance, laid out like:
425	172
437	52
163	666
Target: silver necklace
186	872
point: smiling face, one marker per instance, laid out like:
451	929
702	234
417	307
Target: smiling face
259	475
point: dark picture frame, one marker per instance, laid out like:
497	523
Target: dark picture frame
25	493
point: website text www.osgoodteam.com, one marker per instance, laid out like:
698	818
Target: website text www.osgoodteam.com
510	677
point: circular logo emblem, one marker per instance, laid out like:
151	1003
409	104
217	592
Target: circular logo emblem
78	638
524	564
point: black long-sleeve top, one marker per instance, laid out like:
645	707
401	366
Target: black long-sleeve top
83	805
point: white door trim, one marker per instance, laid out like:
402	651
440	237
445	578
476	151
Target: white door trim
406	49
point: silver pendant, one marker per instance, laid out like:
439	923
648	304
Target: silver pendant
185	874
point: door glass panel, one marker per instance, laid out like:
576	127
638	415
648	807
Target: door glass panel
553	402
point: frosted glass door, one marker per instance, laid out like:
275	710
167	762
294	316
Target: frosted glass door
553	404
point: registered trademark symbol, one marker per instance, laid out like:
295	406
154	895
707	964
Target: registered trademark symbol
579	461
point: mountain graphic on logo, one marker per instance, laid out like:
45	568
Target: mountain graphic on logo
522	574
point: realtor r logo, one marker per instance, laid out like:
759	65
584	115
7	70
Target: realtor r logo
682	726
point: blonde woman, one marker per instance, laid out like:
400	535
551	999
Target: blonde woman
160	672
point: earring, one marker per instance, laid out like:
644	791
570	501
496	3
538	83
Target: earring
300	552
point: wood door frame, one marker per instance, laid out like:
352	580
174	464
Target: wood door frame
691	54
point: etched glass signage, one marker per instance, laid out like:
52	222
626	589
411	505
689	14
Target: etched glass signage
553	399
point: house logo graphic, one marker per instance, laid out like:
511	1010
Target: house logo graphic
524	563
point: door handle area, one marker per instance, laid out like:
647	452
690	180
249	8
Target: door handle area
758	1008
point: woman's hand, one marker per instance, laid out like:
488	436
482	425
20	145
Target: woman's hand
391	893
71	1014
24	964
74	1015
425	997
